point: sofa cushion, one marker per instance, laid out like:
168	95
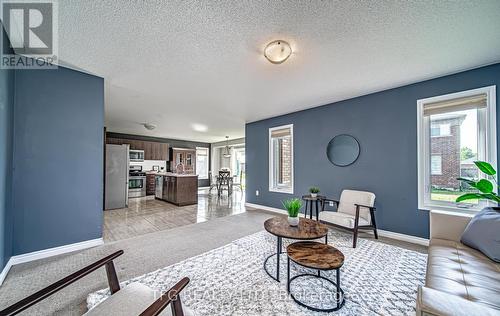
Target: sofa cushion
131	300
457	269
341	219
432	302
482	233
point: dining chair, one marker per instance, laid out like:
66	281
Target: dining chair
224	183
213	181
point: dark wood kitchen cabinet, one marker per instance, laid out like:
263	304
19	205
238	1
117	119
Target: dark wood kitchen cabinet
134	144
159	151
148	147
180	189
152	150
163	151
150	184
185	155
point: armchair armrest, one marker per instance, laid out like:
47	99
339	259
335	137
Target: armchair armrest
365	206
447	225
64	282
171	296
434	302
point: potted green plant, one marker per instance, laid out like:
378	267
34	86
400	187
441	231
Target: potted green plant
293	208
485	187
314	191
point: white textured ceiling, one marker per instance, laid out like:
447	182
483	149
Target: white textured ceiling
175	63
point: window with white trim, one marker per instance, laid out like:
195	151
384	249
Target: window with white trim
202	162
281	159
468	120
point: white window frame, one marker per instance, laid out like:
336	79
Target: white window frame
272	188
203	177
423	146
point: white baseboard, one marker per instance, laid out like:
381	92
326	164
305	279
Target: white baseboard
5	270
41	254
267	208
383	233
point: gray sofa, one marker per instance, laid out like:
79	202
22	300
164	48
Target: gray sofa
459	280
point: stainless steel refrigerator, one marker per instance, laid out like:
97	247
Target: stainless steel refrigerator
117	164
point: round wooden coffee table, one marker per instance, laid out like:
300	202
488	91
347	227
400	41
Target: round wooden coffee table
321	257
307	229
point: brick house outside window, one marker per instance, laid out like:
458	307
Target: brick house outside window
445	152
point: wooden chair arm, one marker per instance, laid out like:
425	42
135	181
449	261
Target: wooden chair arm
171	296
366	206
59	285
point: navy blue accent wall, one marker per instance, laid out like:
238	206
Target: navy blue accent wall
385	124
6	131
58	158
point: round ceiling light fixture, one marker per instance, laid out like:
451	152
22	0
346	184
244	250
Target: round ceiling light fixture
199	127
277	51
149	126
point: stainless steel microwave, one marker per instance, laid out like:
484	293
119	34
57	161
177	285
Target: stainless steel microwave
136	155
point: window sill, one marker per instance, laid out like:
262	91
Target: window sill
453	213
287	191
451	210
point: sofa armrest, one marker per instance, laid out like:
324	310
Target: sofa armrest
447	225
434	302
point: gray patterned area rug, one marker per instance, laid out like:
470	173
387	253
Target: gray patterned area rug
378	279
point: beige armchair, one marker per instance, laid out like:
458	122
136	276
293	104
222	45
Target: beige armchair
355	211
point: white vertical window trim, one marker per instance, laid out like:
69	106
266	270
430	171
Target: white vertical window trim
272	172
487	119
202	151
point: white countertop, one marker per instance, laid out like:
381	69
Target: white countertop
171	174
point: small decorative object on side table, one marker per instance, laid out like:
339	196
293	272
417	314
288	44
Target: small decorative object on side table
314	191
310	201
292	206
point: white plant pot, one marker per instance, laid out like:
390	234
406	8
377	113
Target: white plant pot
314	195
293	221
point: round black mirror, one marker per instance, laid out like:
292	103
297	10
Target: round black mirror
343	150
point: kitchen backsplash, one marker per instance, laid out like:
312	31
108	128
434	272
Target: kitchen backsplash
148	164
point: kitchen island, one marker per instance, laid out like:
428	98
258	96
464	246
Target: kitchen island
176	188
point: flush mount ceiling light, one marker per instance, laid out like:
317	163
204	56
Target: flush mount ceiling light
149	126
199	127
277	51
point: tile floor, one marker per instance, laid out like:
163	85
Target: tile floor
147	215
